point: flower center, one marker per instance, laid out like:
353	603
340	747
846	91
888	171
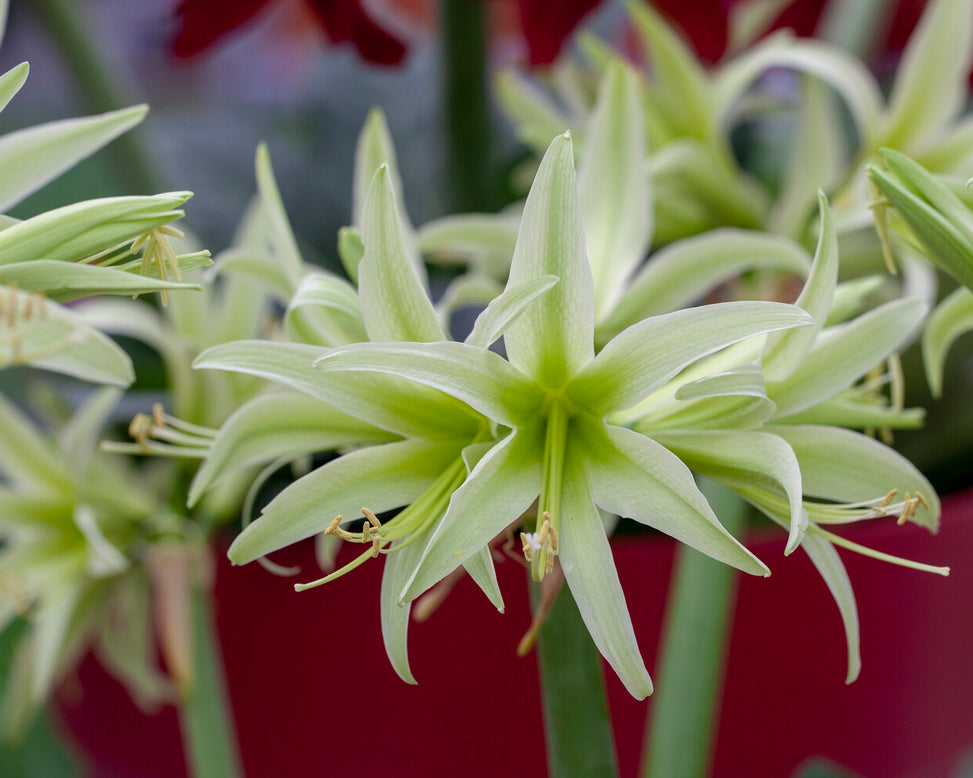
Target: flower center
540	547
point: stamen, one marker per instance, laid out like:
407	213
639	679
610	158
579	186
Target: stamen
878	205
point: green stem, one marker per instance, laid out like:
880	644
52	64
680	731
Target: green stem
579	734
100	90
680	735
205	717
466	104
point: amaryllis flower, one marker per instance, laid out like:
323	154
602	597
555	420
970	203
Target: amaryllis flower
203	22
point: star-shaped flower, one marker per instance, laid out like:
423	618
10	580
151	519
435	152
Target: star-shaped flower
549	401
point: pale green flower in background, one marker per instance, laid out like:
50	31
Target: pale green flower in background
76	251
76	527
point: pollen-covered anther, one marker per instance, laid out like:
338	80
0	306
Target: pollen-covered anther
140	430
910	506
158	415
334	528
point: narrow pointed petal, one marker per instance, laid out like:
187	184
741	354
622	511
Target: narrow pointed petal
845	353
325	311
399	565
392	403
748	459
846	466
614	187
825	558
685	271
65	281
394	302
951	318
80	435
279	226
590	573
481	569
501	487
379	478
634	477
373	150
504	309
478	377
36	155
647	354
26	457
13	79
785	351
281	424
931	85
93	357
553	338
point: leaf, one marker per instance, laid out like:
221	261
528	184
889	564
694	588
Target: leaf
552	340
931	86
845	466
950	319
745	458
480	378
378	477
615	193
634	477
647	354
591	576
504	309
845	353
500	488
785	351
13	79
36	155
276	425
393	403
279	226
394	302
687	270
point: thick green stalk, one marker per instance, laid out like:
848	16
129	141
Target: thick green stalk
466	106
99	88
579	734
680	734
205	716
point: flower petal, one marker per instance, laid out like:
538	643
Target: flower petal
280	424
13	79
394	302
843	354
951	318
614	187
686	270
500	488
846	466
647	354
590	573
553	338
400	563
829	565
504	309
33	156
745	458
785	351
379	478
478	377
279	227
389	402
633	476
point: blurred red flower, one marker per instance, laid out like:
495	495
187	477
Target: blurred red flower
203	22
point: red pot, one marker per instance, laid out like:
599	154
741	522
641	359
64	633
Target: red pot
314	695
